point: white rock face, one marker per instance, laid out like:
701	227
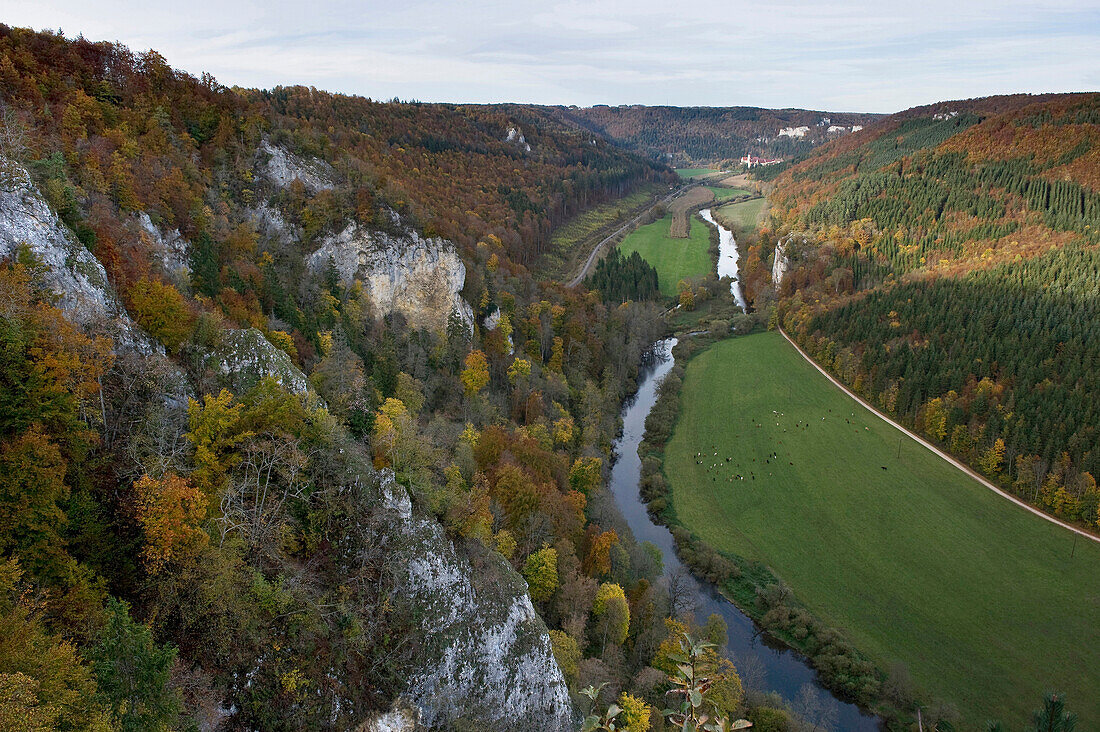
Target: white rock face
169	247
780	264
283	168
243	357
516	136
420	278
398	719
487	655
70	271
794	131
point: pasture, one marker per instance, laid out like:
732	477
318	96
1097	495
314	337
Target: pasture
722	193
742	216
986	604
674	259
689	173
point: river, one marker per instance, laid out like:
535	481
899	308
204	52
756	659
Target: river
762	666
727	257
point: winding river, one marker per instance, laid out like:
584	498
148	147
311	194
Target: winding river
762	666
727	257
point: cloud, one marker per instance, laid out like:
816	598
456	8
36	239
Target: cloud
840	54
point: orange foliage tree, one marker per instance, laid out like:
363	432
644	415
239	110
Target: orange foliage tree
170	511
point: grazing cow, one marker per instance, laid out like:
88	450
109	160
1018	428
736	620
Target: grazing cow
883	467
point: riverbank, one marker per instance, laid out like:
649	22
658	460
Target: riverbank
765	666
914	560
750	585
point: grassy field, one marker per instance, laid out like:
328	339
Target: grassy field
674	259
744	215
916	562
565	253
724	194
695	172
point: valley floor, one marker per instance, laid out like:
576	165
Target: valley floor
674	259
987	604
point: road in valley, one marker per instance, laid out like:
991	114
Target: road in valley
632	222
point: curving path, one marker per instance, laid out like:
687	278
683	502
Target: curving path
946	456
603	242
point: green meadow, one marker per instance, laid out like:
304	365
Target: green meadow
724	194
986	604
742	216
695	172
674	259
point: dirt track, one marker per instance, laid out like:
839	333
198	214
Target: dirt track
614	235
741	180
949	458
684	206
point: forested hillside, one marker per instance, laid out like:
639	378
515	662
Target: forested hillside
683	136
945	264
243	481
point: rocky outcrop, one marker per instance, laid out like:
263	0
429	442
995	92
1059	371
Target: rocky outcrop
487	657
515	136
244	357
68	270
780	263
791	251
399	719
406	273
168	248
282	168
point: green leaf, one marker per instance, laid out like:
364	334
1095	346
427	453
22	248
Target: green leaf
696	698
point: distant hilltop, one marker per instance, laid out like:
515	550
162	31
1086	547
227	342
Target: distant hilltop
687	136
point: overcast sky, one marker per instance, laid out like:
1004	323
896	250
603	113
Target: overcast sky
836	55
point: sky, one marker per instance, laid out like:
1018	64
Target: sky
832	55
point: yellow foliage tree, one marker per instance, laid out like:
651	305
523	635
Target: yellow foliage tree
214	429
541	572
687	295
635	715
475	376
612	613
585	474
563	431
392	424
993	458
520	368
567	653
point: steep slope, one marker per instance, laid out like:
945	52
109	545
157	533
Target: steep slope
285	415
944	263
683	136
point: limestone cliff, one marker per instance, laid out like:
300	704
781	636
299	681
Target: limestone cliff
779	264
407	273
487	658
168	248
241	358
282	168
419	277
68	269
790	251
